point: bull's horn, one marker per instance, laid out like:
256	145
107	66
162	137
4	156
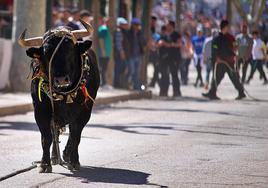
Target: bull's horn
83	32
31	42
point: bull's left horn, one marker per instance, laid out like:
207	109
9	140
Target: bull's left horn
31	42
83	32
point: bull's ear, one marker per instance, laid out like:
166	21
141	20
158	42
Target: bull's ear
34	52
84	46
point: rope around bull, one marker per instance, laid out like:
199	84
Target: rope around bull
55	135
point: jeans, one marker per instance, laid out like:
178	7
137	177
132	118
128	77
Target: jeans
244	64
184	68
103	69
134	70
208	70
118	71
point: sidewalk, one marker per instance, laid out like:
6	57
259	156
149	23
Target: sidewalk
19	103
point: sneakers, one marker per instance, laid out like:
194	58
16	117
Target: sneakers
240	96
210	96
265	82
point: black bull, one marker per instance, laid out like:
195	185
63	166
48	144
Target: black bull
77	64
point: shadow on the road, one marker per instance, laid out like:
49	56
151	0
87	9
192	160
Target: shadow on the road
88	174
178	110
184	98
130	126
26	126
23	126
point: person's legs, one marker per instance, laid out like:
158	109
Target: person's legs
183	71
101	64
208	70
253	69
173	67
234	77
187	64
136	71
154	60
244	70
218	75
164	80
117	72
260	69
199	73
104	66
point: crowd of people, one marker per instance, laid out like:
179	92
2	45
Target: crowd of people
219	52
128	45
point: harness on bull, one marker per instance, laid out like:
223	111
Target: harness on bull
47	88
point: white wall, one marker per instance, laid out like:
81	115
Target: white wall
5	61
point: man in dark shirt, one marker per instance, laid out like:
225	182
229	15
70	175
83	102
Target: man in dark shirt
136	51
223	59
172	44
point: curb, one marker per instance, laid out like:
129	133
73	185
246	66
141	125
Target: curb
24	108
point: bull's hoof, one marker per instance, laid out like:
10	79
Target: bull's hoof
45	168
73	167
66	157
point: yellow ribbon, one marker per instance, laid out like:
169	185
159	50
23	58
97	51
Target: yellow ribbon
41	80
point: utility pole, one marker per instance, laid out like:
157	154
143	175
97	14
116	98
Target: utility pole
112	15
229	11
30	15
96	15
49	14
178	14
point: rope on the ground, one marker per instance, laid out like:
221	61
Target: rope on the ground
233	71
18	172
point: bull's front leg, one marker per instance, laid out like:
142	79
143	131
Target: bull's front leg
70	154
45	166
71	150
54	157
42	118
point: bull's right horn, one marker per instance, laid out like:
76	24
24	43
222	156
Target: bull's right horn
83	32
31	42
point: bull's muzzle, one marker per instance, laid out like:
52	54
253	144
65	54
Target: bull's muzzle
62	82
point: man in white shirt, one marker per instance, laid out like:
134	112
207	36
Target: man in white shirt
258	55
207	54
244	43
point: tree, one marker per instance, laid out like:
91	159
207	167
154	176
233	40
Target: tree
254	15
146	17
178	14
112	15
30	15
96	15
229	10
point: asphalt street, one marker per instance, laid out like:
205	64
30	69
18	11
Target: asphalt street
184	142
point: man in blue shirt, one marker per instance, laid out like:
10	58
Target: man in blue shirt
198	43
